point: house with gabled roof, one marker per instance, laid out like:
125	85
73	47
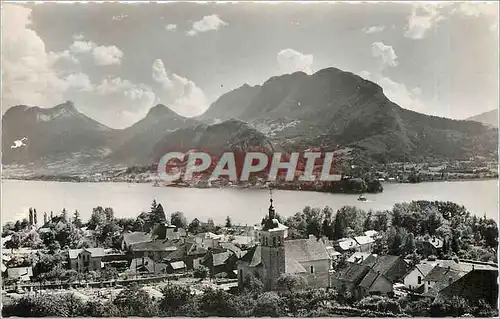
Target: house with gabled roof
146	265
375	283
176	267
86	259
349	278
478	284
365	243
20	273
156	249
415	279
130	238
346	244
393	267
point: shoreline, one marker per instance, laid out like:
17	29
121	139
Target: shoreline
235	187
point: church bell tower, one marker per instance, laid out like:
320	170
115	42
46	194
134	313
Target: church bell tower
272	242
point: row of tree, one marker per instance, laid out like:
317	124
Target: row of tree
292	300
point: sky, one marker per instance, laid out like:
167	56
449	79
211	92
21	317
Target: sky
115	60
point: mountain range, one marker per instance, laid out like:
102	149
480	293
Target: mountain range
488	118
331	109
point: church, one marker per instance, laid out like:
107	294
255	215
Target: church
276	255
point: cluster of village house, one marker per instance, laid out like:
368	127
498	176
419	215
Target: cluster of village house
266	252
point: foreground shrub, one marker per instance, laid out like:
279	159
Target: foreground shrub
380	304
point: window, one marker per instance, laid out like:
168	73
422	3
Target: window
312	269
419	280
274	241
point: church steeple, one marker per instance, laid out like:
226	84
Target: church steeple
272	213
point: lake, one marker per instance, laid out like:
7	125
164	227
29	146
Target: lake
245	206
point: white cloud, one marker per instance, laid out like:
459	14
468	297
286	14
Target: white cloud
130	101
29	73
291	61
423	17
66	55
80	46
374	29
385	53
171	27
107	55
79	81
477	9
207	23
160	74
78	36
398	93
179	93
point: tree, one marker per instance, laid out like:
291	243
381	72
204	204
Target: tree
177	219
64	214
134	301
339	226
291	282
210	225
367	225
14	242
268	305
217	302
76	219
174	298
195	226
157	214
327	229
253	284
228	222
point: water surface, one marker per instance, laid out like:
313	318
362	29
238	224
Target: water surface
245	206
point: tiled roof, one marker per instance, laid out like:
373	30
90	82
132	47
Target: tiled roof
364	240
136	237
425	268
147	263
20	272
439	272
253	256
232	247
381	263
157	245
242	240
221	258
436	242
178	265
180	253
347	244
73	253
303	250
95	252
371	233
476	285
444	278
332	252
293	267
358	257
197	249
369	279
354	273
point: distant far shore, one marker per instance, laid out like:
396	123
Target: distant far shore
77	179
